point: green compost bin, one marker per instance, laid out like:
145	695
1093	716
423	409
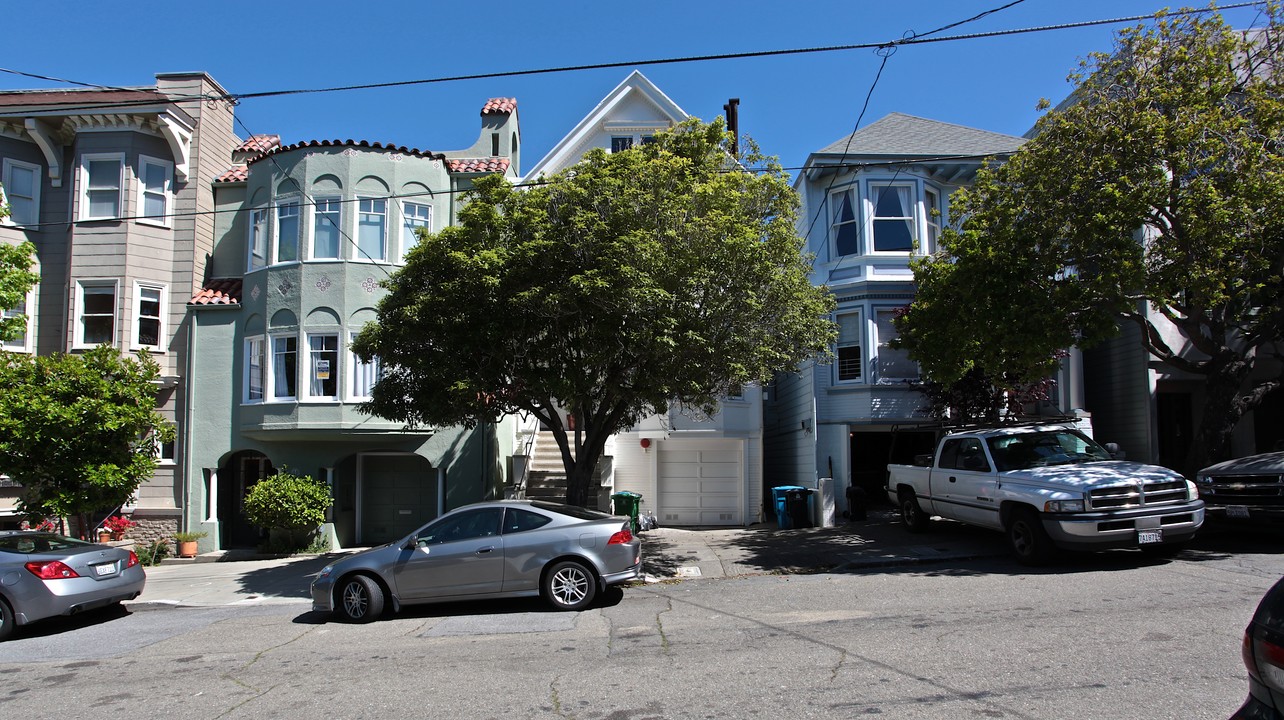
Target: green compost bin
627	503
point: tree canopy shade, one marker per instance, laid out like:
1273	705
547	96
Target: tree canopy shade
635	280
78	432
1155	196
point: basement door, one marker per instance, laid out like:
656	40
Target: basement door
700	482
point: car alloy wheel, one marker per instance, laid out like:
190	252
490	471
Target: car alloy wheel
570	586
360	599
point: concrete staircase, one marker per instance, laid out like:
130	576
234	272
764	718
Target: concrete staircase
546	478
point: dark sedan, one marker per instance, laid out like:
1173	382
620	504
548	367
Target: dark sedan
44	575
507	548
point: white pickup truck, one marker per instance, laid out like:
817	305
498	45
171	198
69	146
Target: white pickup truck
1047	487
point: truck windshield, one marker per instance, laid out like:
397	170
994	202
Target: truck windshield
1022	451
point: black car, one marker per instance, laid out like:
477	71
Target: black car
1264	658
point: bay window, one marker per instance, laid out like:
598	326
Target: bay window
285	367
22	191
95	313
155	178
327	217
372	224
287	231
101	181
893	222
849	347
323	364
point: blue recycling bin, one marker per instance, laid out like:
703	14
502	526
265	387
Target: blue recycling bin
780	498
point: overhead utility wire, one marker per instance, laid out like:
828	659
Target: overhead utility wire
913	40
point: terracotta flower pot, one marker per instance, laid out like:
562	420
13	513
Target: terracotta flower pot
187	549
104	537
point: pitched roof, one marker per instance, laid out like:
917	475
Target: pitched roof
499	106
901	134
478	165
260	143
220	291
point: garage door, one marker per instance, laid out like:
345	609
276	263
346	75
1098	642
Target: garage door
399	493
701	482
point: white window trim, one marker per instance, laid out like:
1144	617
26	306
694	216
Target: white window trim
861	342
835	198
876	343
274	251
27	339
871	208
317	201
932	239
168	167
265	212
162	337
78	342
402	246
269	384
263	368
82	196
161	460
5	184
335	372
358	255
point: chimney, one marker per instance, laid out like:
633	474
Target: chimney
732	109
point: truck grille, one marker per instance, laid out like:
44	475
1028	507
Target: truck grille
1244	490
1148	494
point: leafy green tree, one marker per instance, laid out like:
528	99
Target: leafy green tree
1156	197
78	432
635	280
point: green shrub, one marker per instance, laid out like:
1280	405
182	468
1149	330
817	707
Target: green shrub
189	536
152	554
292	503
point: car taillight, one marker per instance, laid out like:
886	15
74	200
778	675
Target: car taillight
51	570
1264	660
133	559
623	537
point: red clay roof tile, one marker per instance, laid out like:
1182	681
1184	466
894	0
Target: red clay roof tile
260	143
477	165
499	106
351	143
221	291
234	174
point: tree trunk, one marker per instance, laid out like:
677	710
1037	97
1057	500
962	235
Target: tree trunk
1223	407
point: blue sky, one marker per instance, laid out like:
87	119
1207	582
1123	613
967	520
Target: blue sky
791	105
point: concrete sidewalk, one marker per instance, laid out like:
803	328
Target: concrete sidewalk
667	553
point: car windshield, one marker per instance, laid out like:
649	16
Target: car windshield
37	543
1022	451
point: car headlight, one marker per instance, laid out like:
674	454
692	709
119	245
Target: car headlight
1192	490
1203	480
325	572
1063	506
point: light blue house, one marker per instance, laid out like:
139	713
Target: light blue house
872	201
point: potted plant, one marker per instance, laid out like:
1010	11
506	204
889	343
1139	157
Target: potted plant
187	543
118	525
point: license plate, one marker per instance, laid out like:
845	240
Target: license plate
107	569
1148	537
1236	511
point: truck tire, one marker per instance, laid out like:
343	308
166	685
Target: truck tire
1030	542
912	515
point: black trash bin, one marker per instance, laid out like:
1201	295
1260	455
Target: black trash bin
627	503
798	507
857	502
779	497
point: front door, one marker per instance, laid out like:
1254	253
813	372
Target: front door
235	479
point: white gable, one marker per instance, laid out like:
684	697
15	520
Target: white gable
636	107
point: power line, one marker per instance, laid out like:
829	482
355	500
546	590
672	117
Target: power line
912	39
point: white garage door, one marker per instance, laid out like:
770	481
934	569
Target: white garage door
701	482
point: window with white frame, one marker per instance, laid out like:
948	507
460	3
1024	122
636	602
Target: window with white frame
364	374
95	313
21	341
101	182
285	367
843	228
323	366
894	365
934	217
149	319
893	222
620	143
255	364
848	366
21	191
288	227
258	238
372	227
327	219
155	183
164	451
413	216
